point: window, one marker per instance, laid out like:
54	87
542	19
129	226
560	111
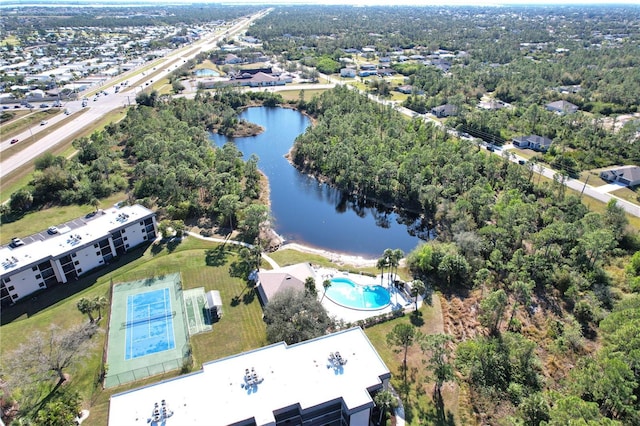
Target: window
74	255
6	280
141	223
95	246
11	288
125	239
97	253
15	296
100	261
80	270
41	285
144	237
76	262
38	276
126	246
35	268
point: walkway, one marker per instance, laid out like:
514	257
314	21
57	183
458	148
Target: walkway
269	260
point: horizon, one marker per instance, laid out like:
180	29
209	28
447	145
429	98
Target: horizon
355	3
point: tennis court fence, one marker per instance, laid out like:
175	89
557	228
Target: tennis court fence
148	319
150	370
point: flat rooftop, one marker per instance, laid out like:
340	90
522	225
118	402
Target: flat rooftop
70	236
287	375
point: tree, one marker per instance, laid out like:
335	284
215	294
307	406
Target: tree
21	200
86	307
255	217
381	264
439	363
534	409
61	410
99	303
492	309
386	401
325	284
310	287
417	288
293	317
228	206
52	352
402	335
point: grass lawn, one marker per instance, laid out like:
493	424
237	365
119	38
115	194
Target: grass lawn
240	329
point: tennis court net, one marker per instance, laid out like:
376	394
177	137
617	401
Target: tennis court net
164	315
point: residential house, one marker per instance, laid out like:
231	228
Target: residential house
272	281
627	175
562	107
348	72
446	110
407	89
535	142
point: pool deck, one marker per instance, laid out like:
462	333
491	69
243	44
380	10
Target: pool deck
350	315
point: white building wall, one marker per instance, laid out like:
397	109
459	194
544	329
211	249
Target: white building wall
86	259
361	418
135	234
24	282
57	269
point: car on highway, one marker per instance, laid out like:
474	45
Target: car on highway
43	122
14	140
44	106
5	106
16	106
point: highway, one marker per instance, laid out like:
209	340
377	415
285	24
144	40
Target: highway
105	104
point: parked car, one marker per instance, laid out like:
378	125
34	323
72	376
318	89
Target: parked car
16	242
52	230
14	140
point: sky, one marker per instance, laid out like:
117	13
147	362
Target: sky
433	2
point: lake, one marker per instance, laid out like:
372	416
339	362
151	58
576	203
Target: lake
306	211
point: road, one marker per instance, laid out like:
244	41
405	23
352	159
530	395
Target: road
105	104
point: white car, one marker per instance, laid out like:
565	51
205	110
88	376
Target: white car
52	230
43	122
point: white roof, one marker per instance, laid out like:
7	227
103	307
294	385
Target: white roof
70	237
297	374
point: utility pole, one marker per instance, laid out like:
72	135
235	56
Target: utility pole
585	185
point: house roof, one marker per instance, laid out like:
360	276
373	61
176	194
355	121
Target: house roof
630	173
562	106
534	140
292	276
296	375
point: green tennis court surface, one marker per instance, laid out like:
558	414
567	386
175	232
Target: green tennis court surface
147	329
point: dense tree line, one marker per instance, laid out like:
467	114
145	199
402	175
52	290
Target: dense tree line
161	154
587	56
497	229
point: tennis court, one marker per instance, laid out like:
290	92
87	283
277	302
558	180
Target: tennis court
147	329
149	326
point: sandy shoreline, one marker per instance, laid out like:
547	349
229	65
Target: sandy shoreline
339	258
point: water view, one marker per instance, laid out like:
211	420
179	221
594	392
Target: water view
309	212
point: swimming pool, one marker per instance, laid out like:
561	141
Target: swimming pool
206	72
347	293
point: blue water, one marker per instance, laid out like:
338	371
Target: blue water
346	293
206	72
309	212
153	328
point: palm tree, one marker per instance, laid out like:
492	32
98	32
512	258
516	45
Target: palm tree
310	286
388	256
398	254
386	401
326	284
381	264
86	307
417	288
99	303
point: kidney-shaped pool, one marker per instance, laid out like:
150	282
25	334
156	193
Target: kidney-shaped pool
349	294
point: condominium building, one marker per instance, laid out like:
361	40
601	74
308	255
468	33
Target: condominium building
62	253
330	380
